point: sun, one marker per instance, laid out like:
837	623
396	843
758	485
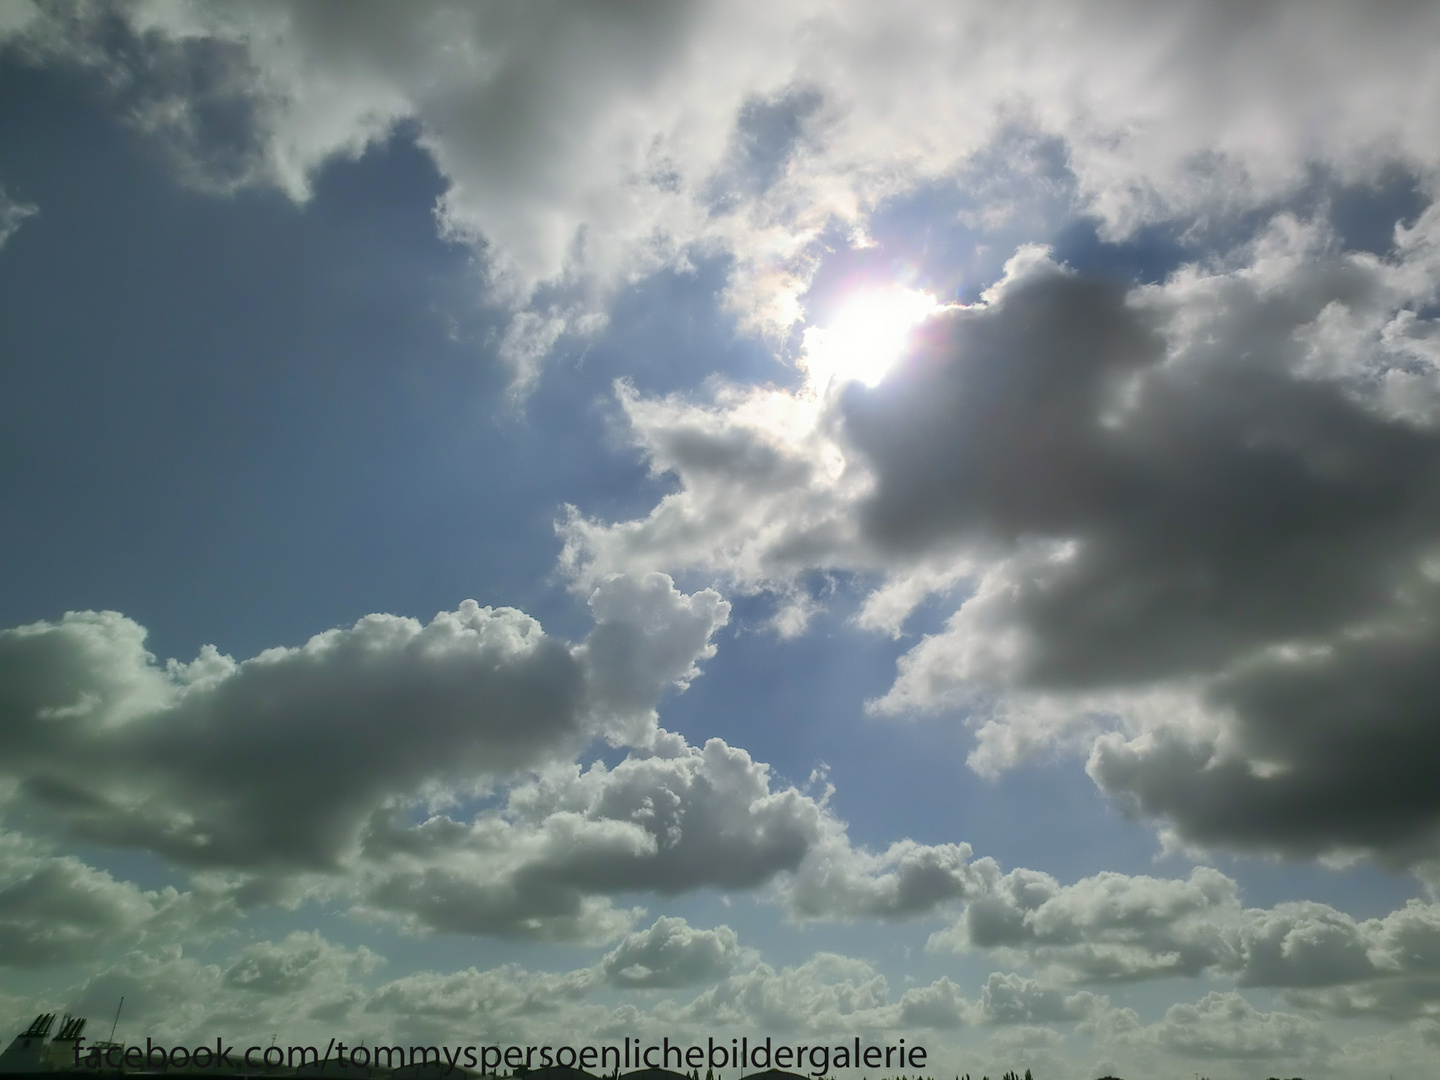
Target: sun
867	336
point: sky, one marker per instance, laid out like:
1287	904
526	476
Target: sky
806	519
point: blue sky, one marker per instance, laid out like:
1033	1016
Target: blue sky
932	515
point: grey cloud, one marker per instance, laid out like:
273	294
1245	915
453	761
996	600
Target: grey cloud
1225	1025
193	93
1110	927
1217	500
1304	944
481	1000
275	764
460	900
1407	940
672	953
1014	999
1118	928
828	993
309	988
670	820
301	770
295	963
831	993
58	911
906	880
277	760
301	984
1185	488
1386	967
1408	998
1355	772
707	814
992	429
939	1005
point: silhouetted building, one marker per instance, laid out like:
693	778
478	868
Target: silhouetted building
432	1070
560	1072
655	1074
336	1070
26	1052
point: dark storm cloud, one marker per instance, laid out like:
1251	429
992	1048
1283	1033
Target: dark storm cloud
1169	490
1220	501
1352	736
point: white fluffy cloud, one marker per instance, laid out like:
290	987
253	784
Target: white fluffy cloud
828	993
303	959
905	880
506	1003
336	768
672	953
279	760
1107	928
276	760
584	145
1119	928
1012	999
1225	1025
669	819
837	994
648	638
284	767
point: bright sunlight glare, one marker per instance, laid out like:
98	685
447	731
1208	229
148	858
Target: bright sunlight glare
866	337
